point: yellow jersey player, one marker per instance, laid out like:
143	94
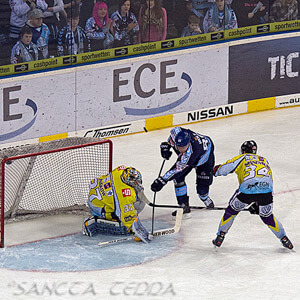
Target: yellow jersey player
255	188
114	203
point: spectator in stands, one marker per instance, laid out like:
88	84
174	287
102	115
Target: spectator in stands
86	10
53	21
219	17
152	22
250	12
72	39
135	6
125	26
5	48
18	17
24	50
40	31
71	4
185	7
99	28
193	28
68	4
283	10
202	6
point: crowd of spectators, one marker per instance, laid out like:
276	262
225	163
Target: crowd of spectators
38	29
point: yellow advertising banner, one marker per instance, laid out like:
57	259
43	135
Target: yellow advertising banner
148	47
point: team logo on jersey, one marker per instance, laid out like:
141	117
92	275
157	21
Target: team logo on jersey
107	185
106	179
109	193
129	218
126	192
266	210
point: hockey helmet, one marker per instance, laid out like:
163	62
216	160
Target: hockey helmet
182	139
249	147
131	176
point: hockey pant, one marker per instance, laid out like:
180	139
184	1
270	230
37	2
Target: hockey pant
204	180
240	201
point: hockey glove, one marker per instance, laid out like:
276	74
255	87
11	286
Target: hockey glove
215	169
158	184
254	209
165	150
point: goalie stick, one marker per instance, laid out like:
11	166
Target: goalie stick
153	206
161	232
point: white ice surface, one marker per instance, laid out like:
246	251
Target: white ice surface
251	264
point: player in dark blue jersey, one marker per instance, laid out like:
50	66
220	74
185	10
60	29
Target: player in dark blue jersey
195	151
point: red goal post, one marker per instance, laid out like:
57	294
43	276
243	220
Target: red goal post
50	177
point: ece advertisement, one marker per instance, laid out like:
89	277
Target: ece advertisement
111	93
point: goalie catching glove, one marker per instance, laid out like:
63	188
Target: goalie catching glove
165	150
158	184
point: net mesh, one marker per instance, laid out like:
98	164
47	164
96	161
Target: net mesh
52	181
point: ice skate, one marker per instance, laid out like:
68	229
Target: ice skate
208	203
186	212
219	239
286	243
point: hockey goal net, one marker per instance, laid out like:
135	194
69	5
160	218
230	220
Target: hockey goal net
50	177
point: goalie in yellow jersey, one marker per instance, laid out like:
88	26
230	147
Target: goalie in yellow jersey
115	205
255	189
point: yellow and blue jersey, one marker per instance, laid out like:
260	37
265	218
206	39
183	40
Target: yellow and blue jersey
111	198
253	171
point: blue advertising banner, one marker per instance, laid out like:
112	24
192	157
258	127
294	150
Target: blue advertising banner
264	69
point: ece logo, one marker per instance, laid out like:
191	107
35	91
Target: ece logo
138	85
9	104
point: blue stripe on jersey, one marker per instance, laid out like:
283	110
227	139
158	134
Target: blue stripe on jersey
186	155
203	159
116	199
179	168
229	167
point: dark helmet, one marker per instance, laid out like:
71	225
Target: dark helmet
182	139
249	147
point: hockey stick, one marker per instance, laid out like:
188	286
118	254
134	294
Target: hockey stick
161	232
143	197
162	165
215	208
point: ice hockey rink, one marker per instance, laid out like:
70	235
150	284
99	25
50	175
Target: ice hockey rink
251	264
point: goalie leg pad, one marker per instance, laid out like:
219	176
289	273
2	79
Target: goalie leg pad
140	231
93	226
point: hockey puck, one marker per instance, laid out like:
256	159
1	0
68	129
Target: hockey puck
145	129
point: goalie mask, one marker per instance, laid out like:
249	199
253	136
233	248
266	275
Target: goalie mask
249	147
132	177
